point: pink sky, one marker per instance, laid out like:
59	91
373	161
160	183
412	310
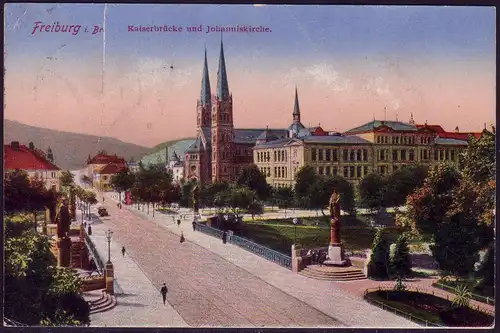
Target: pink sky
148	104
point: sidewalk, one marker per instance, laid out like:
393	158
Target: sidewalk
326	296
139	302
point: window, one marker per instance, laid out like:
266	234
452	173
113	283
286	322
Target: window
441	154
335	157
275	159
320	154
268	156
412	155
320	170
358	155
328	154
313	154
327	170
351	171
346	172
345	154
382	155
282	156
352	155
436	155
104	177
403	154
275	172
365	170
394	155
335	170
397	140
452	155
378	139
53	175
286	157
365	155
358	171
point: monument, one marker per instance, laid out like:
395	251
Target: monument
196	199
63	241
335	248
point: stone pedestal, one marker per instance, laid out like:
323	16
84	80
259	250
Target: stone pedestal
297	263
109	273
63	252
336	255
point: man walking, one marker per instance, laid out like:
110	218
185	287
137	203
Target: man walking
178	223
163	292
123	251
194	225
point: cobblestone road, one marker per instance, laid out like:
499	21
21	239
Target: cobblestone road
205	289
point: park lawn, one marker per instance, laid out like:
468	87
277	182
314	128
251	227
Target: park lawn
420	313
471	285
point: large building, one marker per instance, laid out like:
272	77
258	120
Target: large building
220	150
34	162
102	167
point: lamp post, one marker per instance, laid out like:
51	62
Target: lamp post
109	233
295	221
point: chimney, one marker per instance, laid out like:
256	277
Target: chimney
15	145
457	130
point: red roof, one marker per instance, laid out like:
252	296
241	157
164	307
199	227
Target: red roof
112	168
25	159
105	159
435	128
459	136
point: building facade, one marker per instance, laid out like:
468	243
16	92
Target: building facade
34	162
176	168
102	167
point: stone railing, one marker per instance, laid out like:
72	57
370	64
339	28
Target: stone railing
94	254
260	250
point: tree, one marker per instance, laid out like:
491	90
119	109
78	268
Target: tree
50	155
31	146
283	197
456	245
305	178
66	179
371	191
401	183
122	182
186	199
378	267
478	161
36	292
239	198
428	205
255	180
400	261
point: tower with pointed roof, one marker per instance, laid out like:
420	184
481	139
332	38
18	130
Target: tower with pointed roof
296	126
222	126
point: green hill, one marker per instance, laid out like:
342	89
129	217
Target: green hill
159	155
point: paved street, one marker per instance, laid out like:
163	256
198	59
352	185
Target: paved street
291	298
205	289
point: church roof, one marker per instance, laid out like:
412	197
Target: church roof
327	139
296	127
195	147
222	85
267	135
394	125
296	108
250	135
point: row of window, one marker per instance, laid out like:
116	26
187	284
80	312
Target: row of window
223	117
332	155
409	155
40	174
403	140
279	156
347	171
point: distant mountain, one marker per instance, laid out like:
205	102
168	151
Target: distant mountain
158	154
70	149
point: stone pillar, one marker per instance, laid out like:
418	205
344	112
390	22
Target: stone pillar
109	273
297	264
335	232
63	252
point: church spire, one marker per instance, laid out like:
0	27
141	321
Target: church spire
222	85
296	108
205	97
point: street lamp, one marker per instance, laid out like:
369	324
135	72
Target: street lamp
109	233
295	221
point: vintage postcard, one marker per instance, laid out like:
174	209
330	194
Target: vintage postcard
258	165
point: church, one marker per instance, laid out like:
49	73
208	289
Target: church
220	150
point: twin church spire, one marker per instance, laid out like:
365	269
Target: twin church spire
222	84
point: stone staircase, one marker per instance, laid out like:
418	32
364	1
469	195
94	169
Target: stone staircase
332	273
104	303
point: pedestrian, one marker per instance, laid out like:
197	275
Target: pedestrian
182	237
90	230
194	225
123	251
163	292
178	222
224	237
102	199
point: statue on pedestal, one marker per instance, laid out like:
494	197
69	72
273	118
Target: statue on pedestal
196	199
335	249
63	241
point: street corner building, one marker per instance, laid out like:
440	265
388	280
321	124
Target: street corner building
34	161
221	151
